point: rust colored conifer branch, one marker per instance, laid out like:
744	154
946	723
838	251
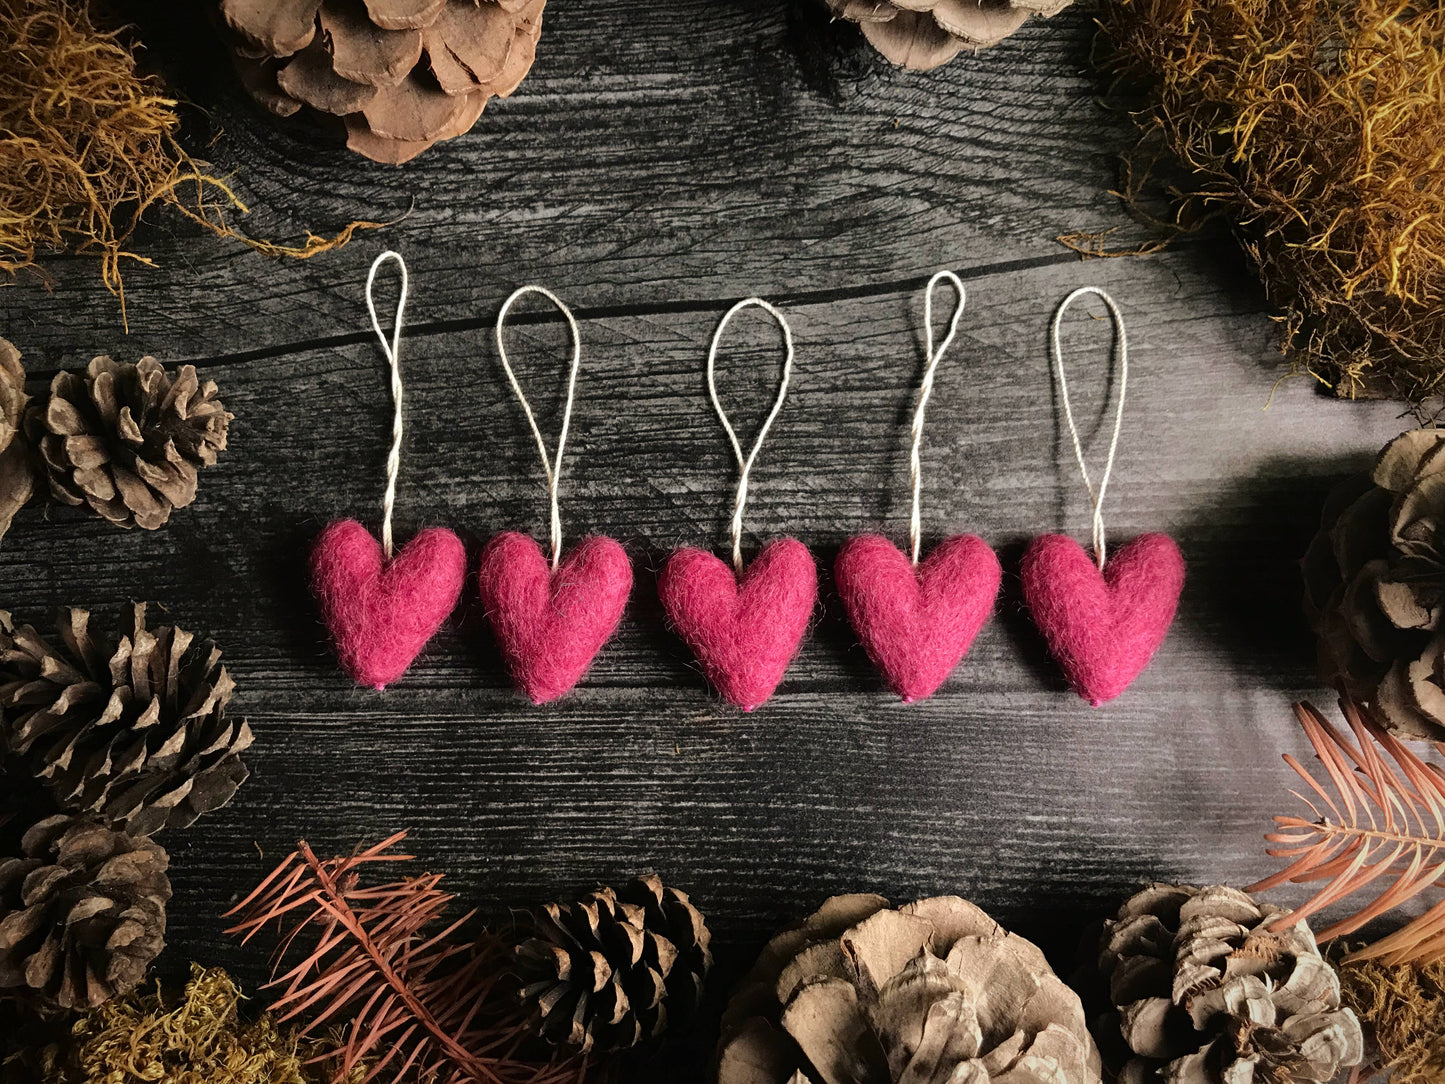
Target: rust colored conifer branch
411	1002
1380	824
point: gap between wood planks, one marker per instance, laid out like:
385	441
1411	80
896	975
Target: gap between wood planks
611	312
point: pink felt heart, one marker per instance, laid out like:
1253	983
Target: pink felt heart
744	631
381	614
1103	627
917	623
551	624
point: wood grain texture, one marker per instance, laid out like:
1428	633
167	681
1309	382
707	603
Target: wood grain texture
662	161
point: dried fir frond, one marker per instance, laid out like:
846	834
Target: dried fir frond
1403	1007
415	1002
1317	127
88	143
1380	828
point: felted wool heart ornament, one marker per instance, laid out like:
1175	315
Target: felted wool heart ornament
381	607
744	628
917	623
551	617
549	622
382	613
1103	627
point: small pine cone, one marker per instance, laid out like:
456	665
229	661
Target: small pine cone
613	969
401	74
17	476
132	728
128	440
922	34
1208	993
82	912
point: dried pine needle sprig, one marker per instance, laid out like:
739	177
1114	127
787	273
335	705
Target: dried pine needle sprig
1318	128
1381	828
414	1003
88	144
1403	1009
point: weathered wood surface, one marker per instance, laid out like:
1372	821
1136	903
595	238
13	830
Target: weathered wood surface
662	161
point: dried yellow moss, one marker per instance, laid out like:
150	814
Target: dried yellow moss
1318	128
199	1040
88	143
1404	1010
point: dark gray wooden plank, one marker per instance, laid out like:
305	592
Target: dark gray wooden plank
693	157
688	161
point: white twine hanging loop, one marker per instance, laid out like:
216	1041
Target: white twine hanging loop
745	463
1121	345
392	349
925	390
552	468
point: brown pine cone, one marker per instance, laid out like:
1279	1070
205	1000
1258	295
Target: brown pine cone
922	34
17	476
932	991
1375	587
613	969
128	440
82	912
1207	993
402	74
131	728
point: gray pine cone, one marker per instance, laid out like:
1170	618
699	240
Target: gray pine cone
131	728
1375	587
17	476
1207	993
614	968
401	74
922	34
82	912
934	991
128	440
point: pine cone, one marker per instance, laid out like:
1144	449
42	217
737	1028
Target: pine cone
132	728
1375	587
613	969
1207	993
128	440
402	74
17	476
82	912
932	991
922	34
